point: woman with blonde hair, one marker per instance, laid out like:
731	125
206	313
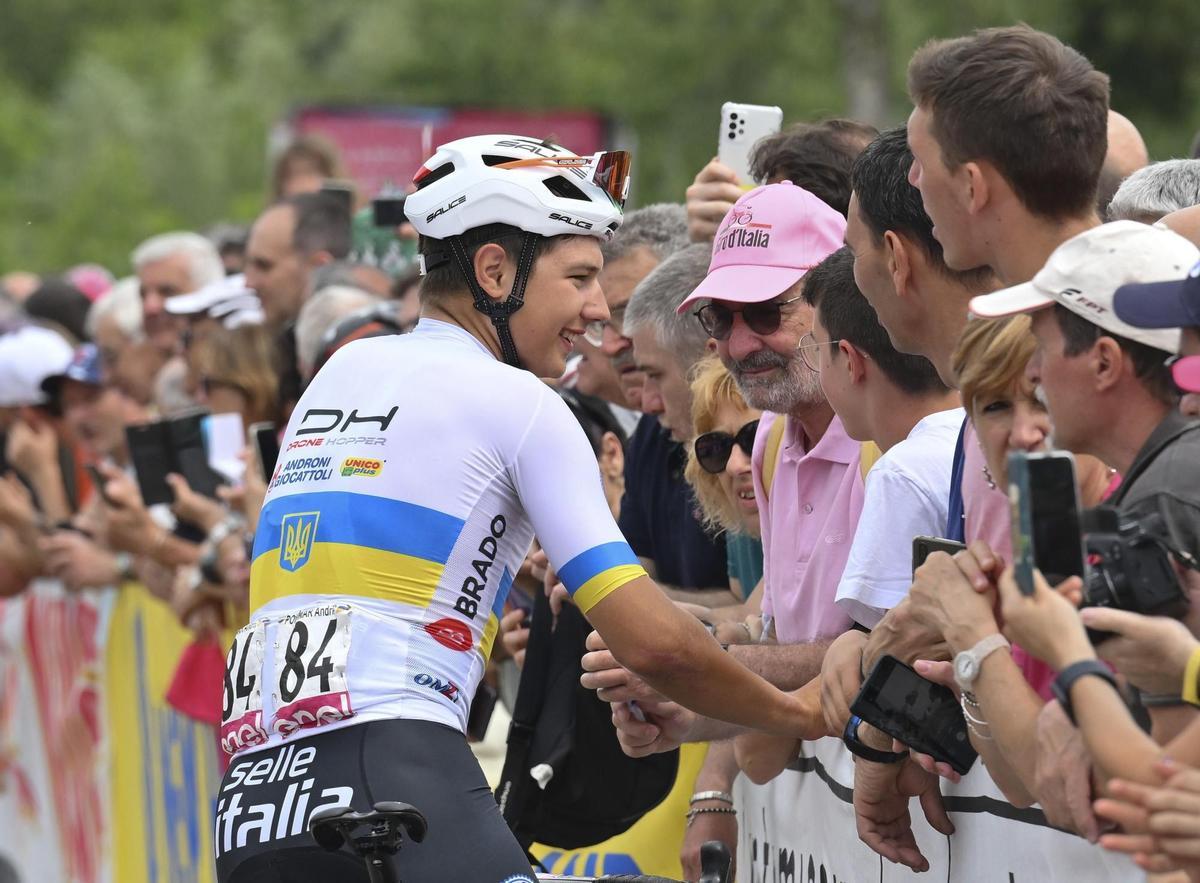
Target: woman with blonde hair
718	470
234	370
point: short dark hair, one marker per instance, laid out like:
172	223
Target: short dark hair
1025	102
445	280
887	201
830	289
815	156
322	224
1080	335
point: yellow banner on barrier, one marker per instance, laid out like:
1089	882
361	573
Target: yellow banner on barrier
649	847
164	775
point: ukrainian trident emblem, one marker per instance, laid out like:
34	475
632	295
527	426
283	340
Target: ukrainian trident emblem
299	530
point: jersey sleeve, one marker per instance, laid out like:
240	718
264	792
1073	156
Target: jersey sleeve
558	480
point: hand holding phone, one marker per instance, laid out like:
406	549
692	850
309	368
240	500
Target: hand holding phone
921	714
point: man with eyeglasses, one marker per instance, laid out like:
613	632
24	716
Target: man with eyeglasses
811	493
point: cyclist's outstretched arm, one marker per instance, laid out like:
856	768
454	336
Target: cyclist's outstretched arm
674	653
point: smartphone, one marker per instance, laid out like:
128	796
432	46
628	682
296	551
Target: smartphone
186	439
923	547
1046	531
388	211
743	126
265	439
152	462
921	714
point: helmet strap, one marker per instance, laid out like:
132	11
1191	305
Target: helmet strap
499	311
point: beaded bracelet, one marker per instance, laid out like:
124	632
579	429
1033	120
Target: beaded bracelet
724	810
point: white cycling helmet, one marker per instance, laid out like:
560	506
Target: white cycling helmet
533	185
542	189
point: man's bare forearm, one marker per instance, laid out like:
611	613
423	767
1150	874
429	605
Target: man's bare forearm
715	597
786	666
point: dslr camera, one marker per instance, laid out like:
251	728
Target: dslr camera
1130	565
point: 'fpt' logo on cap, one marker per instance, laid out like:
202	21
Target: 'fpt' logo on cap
1075	296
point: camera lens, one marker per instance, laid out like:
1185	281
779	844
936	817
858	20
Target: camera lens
733	127
732	136
733	116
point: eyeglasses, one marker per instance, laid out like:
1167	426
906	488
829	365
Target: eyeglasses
610	169
1185	372
809	352
593	332
762	318
713	448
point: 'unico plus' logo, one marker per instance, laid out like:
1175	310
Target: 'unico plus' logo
364	466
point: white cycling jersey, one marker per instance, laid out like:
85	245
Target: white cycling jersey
412	478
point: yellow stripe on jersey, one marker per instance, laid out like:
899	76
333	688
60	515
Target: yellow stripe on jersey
344	569
603	584
490	631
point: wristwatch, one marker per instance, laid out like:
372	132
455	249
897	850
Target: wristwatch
866	752
1069	675
968	663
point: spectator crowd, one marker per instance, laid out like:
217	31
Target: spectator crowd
775	419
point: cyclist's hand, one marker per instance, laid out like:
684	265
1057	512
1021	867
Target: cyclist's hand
711	196
666	727
611	680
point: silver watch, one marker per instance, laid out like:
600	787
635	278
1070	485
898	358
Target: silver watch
968	663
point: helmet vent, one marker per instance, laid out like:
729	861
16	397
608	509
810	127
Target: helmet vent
560	186
491	159
432	175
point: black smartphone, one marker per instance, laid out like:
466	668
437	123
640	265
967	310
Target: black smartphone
388	211
185	436
152	462
1046	531
923	547
266	444
921	714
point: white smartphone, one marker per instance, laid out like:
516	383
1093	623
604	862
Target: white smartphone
742	126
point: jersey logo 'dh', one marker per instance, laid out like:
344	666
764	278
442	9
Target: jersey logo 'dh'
299	532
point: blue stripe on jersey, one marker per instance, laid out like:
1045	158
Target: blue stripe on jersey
593	562
506	581
364	520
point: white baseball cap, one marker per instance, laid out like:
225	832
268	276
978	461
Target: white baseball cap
1084	273
204	299
27	357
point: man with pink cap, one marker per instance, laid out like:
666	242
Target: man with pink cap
751	304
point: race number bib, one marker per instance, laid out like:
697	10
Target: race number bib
311	649
241	708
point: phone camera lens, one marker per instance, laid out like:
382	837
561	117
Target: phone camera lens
733	116
732	136
733	127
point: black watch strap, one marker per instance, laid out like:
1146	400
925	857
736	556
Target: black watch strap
866	752
1069	675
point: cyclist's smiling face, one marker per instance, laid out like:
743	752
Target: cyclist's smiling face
562	296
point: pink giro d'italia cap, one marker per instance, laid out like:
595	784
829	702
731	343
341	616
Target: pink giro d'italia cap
771	237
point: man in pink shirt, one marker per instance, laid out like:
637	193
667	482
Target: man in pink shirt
751	304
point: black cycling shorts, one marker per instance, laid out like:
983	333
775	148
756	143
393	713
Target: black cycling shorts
266	799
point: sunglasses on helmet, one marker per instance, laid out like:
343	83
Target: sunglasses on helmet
713	448
762	318
610	169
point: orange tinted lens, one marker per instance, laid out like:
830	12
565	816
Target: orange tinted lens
612	174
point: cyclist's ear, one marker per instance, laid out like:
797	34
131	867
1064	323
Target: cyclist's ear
494	270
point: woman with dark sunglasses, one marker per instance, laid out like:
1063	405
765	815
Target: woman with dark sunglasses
719	472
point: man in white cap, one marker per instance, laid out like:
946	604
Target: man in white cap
1092	367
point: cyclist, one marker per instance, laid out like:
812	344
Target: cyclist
414	474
